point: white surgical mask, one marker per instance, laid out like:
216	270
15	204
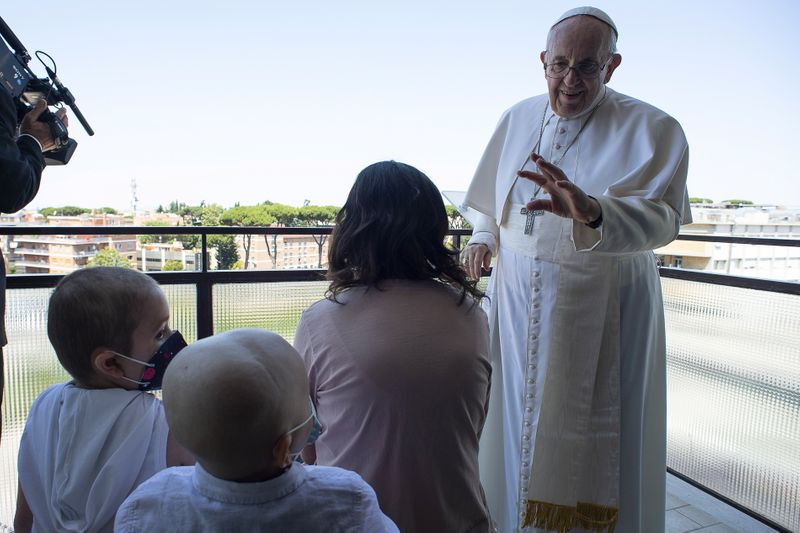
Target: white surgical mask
313	435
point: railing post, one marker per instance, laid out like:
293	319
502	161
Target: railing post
205	310
204	251
205	289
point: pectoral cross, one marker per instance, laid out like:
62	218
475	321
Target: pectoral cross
530	218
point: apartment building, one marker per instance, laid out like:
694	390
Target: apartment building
284	251
62	254
772	262
154	257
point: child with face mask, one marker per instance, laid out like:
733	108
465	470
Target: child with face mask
89	443
239	402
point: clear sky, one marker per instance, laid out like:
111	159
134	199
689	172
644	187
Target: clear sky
246	101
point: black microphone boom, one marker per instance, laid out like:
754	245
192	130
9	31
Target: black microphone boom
68	99
14	42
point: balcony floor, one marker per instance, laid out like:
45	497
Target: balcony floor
691	509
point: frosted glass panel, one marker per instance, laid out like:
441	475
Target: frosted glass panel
273	306
733	379
733	394
32	366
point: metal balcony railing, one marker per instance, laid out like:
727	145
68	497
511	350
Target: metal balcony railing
733	359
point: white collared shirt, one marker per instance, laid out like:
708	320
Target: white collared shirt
302	499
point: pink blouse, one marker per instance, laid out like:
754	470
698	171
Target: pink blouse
400	378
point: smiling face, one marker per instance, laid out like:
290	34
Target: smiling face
574	41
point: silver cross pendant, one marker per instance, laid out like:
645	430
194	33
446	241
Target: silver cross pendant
530	218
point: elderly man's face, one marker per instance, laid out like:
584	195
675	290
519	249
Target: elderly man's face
578	40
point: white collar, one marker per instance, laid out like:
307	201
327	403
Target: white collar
248	493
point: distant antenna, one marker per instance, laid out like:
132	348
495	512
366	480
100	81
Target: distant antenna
134	198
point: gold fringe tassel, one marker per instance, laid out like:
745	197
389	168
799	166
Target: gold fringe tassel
564	518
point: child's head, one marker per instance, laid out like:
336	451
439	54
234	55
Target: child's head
239	402
99	318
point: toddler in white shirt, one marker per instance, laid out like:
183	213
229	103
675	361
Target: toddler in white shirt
89	442
239	402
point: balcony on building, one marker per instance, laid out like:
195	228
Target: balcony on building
733	343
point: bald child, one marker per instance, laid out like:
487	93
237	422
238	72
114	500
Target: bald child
239	401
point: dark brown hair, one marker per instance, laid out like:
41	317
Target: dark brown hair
95	308
393	227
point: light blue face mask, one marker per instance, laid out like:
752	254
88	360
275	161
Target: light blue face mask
315	431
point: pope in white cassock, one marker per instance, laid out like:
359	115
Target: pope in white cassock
574	191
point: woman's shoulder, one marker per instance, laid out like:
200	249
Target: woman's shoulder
426	294
451	294
327	304
433	298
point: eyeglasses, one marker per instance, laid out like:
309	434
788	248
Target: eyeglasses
584	69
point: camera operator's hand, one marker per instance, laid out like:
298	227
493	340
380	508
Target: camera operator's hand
31	125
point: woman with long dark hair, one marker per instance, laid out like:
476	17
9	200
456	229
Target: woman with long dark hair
397	355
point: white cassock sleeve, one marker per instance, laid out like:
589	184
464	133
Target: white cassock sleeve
644	209
485	231
482	192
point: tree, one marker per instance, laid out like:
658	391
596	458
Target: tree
192	214
227	251
455	219
203	215
147	239
66	211
172	265
283	215
107	211
317	215
225	245
210	215
737	202
696	200
175	207
189	242
109	257
247	216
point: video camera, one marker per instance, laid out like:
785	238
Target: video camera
26	89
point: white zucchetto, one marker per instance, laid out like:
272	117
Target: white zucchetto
599	14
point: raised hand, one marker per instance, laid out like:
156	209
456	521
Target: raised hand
566	199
